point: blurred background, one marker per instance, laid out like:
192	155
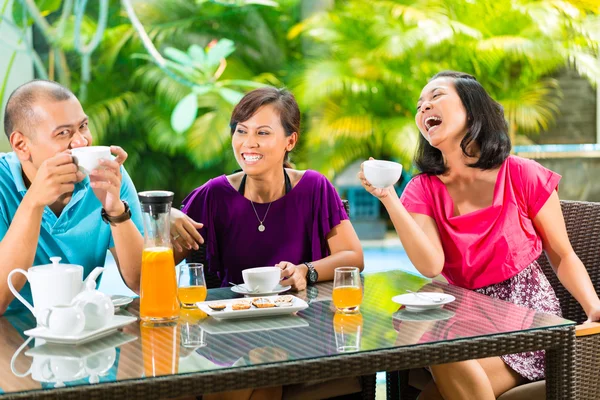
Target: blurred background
160	78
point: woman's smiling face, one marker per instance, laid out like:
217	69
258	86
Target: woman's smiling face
260	143
441	114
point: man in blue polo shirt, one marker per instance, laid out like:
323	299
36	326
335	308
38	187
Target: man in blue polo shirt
47	207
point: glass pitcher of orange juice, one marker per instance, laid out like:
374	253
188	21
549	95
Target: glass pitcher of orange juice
158	292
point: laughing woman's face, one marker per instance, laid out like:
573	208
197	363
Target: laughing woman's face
441	116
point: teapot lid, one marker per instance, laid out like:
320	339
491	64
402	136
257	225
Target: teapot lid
55	266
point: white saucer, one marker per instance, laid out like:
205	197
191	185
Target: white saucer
120	301
86	336
413	302
243	289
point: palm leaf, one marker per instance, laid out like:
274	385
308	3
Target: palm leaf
533	108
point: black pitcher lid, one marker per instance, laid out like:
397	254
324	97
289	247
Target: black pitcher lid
156	197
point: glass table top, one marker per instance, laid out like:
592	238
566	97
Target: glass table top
198	343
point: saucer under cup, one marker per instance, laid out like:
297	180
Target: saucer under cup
420	302
88	158
261	279
242	289
382	174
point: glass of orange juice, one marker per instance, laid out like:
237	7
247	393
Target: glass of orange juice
192	286
348	331
347	289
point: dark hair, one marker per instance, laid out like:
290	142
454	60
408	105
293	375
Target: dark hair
486	126
19	114
283	101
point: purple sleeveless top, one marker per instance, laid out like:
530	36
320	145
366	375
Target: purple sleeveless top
297	225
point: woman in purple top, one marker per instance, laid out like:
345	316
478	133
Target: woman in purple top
268	214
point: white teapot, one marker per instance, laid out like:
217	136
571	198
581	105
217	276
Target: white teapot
62	285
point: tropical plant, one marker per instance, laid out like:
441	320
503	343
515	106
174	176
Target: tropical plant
374	58
167	78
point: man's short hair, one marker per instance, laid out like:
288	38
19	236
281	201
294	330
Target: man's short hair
19	113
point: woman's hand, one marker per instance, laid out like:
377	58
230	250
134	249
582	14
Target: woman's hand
293	275
184	231
379	193
594	315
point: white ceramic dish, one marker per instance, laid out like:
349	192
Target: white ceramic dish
86	336
120	301
229	313
116	339
414	302
243	289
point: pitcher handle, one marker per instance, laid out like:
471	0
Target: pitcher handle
14	357
16	292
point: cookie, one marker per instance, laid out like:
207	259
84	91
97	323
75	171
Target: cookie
241	305
217	306
288	298
261	302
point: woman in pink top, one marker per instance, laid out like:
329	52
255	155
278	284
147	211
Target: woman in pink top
481	218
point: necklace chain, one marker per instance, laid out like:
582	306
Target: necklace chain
261	227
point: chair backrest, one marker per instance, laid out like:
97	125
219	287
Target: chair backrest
583	227
346	204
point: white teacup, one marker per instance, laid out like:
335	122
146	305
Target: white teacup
88	158
382	174
262	279
62	320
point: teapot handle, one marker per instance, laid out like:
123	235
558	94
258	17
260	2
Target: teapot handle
14	358
92	277
15	292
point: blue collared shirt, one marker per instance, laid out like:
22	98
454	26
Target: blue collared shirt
78	235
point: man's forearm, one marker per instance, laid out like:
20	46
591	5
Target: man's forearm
129	244
18	247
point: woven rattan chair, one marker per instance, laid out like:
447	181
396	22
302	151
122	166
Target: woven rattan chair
583	227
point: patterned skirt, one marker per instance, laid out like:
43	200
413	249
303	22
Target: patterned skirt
529	288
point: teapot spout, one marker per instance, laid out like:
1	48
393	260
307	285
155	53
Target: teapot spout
90	281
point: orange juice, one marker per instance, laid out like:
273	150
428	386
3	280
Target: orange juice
347	323
160	349
158	293
189	296
347	298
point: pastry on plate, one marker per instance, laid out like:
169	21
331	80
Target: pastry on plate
241	305
261	302
217	306
285	300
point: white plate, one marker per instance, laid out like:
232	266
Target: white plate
116	339
243	289
86	336
215	327
413	302
229	313
120	301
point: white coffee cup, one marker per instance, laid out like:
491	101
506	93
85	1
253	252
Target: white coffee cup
382	174
262	279
88	158
62	320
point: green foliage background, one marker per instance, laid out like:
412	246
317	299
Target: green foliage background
356	67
